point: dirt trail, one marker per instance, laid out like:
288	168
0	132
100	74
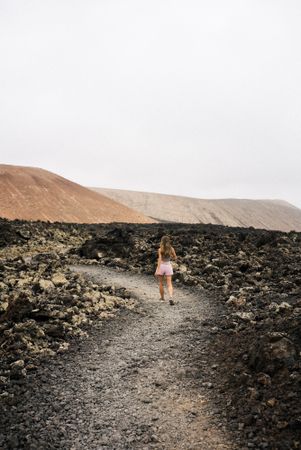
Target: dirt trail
135	383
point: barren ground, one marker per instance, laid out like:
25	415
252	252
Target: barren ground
144	380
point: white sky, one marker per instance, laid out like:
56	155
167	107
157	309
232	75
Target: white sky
197	98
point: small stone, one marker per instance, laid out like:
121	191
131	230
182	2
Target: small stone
264	379
3	380
236	301
246	316
282	424
271	402
284	305
17	365
31	367
253	393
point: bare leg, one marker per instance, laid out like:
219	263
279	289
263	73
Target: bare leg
169	285
161	287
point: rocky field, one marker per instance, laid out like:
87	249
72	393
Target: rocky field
43	304
254	276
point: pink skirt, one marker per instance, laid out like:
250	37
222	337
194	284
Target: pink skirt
164	269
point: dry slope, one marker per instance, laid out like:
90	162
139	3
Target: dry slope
268	214
31	193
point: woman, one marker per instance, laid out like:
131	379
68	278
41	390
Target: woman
165	253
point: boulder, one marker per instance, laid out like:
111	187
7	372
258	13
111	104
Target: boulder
3	286
19	307
17	365
182	268
245	316
59	279
236	301
17	369
46	285
210	268
271	353
92	296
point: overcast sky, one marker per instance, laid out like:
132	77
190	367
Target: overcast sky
197	98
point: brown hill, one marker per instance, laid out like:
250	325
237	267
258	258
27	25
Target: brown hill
35	194
268	214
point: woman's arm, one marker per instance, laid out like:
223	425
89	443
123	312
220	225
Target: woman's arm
159	259
158	264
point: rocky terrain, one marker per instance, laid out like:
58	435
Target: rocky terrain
252	276
43	304
32	193
256	275
268	214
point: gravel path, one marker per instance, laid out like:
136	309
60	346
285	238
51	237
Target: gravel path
141	380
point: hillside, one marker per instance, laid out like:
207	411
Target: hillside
268	214
31	193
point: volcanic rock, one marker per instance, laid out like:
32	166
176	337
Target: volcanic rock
59	279
18	308
46	285
272	352
244	271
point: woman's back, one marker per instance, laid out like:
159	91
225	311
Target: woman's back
166	256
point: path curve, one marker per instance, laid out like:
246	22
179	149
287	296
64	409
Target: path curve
134	383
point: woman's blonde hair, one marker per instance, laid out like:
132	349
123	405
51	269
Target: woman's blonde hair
165	247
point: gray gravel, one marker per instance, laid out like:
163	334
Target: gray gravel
134	383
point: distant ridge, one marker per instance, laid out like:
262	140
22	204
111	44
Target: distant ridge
267	214
32	193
